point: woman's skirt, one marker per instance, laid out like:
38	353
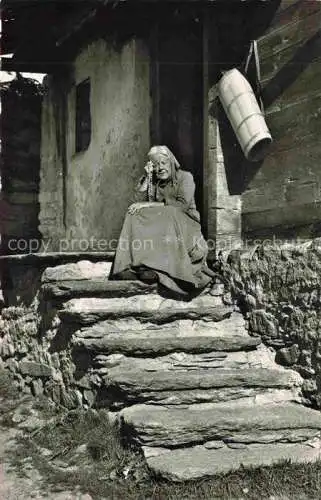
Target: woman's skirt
168	241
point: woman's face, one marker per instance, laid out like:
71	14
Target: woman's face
162	168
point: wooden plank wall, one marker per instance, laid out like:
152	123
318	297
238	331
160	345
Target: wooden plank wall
282	195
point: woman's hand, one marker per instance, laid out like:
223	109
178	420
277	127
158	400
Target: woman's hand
149	167
135	207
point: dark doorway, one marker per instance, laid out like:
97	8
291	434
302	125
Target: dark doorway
177	90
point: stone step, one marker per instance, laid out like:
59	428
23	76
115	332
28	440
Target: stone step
123	387
140	385
262	357
81	270
157	426
152	344
111	366
234	325
114	400
95	287
199	462
132	337
152	307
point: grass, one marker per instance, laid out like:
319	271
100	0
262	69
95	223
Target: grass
83	449
110	470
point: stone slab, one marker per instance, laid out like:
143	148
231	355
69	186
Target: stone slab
137	382
82	270
261	357
155	345
174	361
199	462
173	427
234	325
185	398
147	308
95	287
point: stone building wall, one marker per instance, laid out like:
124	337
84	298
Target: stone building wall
85	195
282	195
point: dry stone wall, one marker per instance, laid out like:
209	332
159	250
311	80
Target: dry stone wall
33	346
279	291
35	369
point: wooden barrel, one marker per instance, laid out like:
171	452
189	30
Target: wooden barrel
245	115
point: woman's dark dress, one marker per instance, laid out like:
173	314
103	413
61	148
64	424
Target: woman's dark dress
167	239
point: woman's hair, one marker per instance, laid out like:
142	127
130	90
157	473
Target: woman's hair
158	151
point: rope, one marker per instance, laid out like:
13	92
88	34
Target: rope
150	186
254	51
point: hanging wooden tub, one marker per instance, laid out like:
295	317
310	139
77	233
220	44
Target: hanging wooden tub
245	115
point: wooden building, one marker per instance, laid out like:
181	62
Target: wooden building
125	75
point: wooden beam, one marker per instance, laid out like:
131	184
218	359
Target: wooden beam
205	173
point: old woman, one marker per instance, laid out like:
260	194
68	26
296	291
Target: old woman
161	236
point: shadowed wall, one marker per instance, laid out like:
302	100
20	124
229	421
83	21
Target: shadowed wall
282	195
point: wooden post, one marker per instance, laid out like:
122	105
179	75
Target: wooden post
223	209
205	176
154	84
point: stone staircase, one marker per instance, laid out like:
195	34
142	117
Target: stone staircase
185	380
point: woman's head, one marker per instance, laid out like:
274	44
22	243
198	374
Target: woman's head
164	162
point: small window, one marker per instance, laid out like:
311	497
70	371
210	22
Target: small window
83	117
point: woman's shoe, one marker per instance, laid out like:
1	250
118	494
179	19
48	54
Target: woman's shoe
126	275
147	275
